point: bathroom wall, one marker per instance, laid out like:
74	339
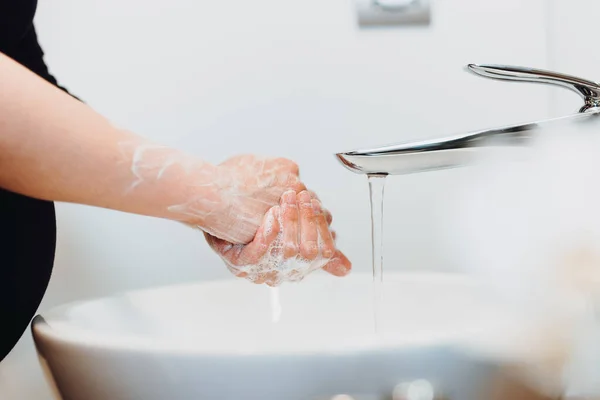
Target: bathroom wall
573	26
294	79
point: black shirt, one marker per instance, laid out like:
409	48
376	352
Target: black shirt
27	226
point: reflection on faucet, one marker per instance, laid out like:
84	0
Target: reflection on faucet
455	151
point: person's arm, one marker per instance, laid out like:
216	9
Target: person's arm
54	147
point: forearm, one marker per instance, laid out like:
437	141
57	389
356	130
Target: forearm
54	147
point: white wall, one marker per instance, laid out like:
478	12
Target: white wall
295	79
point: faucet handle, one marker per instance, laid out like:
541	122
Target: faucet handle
588	90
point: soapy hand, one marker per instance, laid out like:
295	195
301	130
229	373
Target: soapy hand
242	189
293	240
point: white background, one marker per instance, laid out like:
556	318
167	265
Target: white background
289	78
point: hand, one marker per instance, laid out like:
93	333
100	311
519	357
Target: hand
231	201
293	240
248	187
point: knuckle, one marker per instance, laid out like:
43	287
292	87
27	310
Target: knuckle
329	242
293	167
305	206
309	250
290	213
288	165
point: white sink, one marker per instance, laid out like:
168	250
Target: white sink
218	340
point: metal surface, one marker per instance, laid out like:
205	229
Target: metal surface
382	13
394	6
588	90
455	151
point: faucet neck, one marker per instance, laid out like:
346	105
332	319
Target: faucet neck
588	90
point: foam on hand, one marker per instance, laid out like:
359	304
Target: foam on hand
528	225
273	264
226	200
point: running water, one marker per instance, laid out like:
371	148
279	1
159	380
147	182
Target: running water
376	189
275	305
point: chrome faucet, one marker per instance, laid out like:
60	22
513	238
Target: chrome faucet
456	151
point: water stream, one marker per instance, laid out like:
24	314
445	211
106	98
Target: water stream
376	189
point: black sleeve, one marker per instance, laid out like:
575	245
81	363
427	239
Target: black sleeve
27	225
29	53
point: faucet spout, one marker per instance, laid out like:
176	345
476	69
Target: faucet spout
448	152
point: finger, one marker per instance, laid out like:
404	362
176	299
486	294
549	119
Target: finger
309	246
287	174
270	278
287	165
266	234
297	186
339	265
289	224
334	235
273	279
219	246
328	215
227	252
234	269
327	245
292	180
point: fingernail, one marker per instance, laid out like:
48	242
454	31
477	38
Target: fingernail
289	197
342	270
337	267
290	250
304	197
328	253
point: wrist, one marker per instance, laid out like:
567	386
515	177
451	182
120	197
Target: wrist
201	199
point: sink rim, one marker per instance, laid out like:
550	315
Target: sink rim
44	329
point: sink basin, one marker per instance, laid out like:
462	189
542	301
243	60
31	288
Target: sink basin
234	340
